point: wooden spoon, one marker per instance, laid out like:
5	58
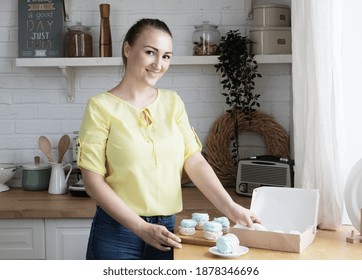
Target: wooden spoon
45	147
63	145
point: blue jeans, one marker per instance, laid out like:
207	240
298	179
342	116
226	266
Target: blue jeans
109	240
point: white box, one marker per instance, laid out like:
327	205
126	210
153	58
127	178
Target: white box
270	40
290	216
271	15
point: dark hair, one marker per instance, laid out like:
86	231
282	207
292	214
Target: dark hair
138	28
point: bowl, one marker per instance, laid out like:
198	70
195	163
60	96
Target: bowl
7	171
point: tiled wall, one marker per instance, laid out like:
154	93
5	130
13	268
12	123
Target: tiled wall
33	101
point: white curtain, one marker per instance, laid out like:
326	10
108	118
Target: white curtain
317	104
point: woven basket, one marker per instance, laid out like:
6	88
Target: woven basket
218	152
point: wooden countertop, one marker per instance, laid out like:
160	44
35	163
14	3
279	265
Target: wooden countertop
18	203
327	245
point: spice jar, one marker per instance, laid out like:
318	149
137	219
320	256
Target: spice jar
78	41
206	39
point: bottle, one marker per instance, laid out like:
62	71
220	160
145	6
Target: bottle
105	39
206	39
78	41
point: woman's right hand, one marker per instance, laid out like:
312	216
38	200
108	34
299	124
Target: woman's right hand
158	237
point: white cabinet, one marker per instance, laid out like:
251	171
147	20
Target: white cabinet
22	239
64	239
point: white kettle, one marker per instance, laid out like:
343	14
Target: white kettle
58	180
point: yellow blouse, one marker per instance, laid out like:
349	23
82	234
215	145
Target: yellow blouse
140	152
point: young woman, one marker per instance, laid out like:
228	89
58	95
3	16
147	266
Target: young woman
134	142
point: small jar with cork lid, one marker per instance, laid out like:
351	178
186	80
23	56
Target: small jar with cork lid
78	41
206	39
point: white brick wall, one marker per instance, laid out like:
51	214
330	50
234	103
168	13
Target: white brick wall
33	100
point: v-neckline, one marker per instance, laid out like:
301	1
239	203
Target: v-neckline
134	106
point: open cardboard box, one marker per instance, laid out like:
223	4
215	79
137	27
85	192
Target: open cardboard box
283	211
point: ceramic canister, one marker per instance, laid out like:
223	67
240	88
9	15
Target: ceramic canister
36	176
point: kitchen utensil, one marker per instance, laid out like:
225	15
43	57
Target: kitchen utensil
63	146
36	175
45	147
105	36
58	180
7	171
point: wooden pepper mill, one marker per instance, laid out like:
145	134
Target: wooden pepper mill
105	39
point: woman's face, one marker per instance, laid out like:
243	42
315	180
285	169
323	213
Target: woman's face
149	57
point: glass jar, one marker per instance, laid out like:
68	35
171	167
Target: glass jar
206	39
78	41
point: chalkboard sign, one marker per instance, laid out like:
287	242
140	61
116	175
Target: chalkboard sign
41	28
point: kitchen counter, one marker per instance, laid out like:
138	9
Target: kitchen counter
21	204
18	203
327	245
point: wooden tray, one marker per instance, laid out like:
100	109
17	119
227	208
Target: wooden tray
196	239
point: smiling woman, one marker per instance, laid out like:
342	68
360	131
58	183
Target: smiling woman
134	142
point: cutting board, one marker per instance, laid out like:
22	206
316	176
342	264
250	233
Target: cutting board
196	239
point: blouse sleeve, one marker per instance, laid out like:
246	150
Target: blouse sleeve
92	140
191	140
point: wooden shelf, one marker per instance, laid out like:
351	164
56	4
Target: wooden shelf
67	64
117	61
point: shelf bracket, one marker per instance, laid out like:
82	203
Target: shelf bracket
67	9
68	73
249	9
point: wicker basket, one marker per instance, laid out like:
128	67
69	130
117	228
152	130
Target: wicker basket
218	152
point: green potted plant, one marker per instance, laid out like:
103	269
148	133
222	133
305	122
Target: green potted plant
238	70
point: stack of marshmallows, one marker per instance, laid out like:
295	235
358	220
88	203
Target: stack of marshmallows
200	221
217	230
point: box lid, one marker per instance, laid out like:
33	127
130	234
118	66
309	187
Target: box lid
286	209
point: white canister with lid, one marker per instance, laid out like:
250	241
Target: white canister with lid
270	40
271	15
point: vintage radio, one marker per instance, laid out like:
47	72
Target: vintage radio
255	172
